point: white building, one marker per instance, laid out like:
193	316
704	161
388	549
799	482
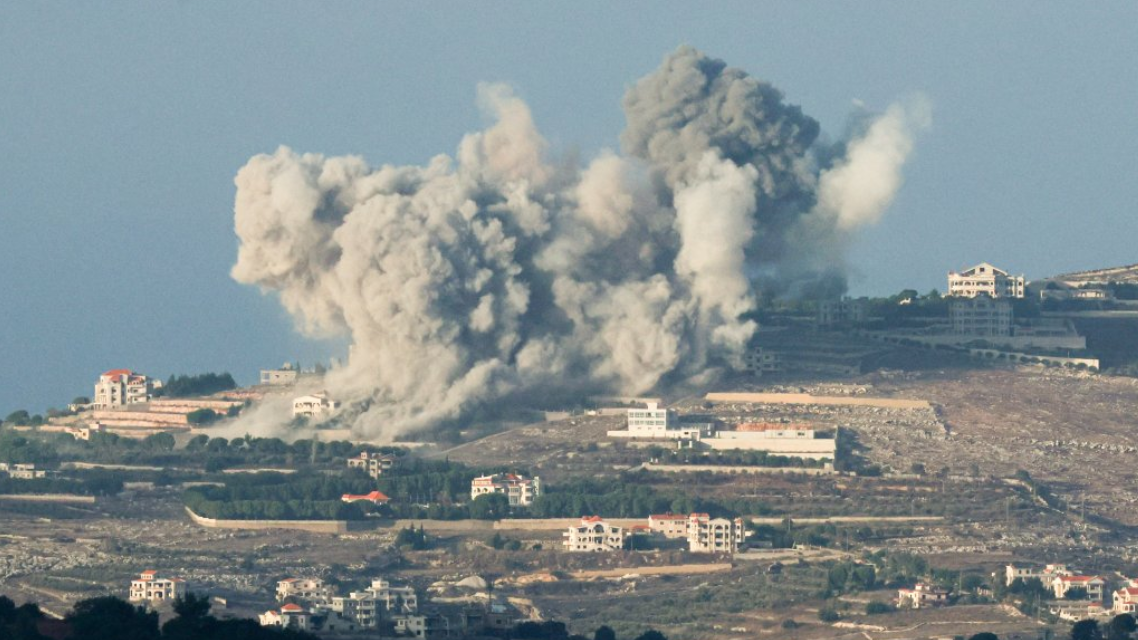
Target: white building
85	431
311	589
23	471
520	491
1126	598
372	463
151	587
290	616
985	279
1045	575
121	387
314	405
286	375
670	525
714	535
382	599
981	316
1093	585
922	595
594	534
655	422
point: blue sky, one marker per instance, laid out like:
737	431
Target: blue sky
122	125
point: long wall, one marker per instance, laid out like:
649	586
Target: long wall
314	526
806	398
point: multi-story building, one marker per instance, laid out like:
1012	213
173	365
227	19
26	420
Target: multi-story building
670	525
594	534
1092	585
1126	598
286	375
373	463
653	421
290	616
842	312
714	535
151	587
981	316
310	589
121	387
1045	575
922	595
314	405
520	491
985	279
382	599
760	362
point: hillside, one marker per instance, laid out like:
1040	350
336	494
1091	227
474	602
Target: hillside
1128	273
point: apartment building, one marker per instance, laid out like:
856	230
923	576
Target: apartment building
654	421
382	599
374	464
842	312
981	316
310	589
149	586
314	405
122	387
520	491
760	362
985	279
593	534
714	535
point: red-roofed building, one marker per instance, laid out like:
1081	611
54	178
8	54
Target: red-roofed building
594	534
311	589
122	387
149	586
520	491
1126	599
375	497
670	525
290	616
1093	585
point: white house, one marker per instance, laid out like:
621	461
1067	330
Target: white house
1126	598
290	616
1045	575
121	387
594	534
311	589
670	525
151	587
922	595
985	279
981	316
314	405
1093	585
714	535
519	490
381	599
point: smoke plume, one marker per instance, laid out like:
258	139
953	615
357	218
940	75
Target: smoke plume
499	274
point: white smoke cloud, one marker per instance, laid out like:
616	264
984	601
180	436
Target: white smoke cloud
858	189
497	274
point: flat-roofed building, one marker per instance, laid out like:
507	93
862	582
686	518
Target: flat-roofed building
519	490
122	387
372	463
314	405
715	535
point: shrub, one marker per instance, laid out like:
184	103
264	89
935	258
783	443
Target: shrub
877	607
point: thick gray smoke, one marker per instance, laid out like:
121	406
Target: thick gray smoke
500	274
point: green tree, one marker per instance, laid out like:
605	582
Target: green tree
651	634
108	618
1086	630
984	635
202	417
159	442
19	418
877	607
1121	627
604	633
490	506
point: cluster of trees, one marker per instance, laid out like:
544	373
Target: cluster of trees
16	447
21	418
98	485
109	618
735	458
629	498
199	385
275	496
